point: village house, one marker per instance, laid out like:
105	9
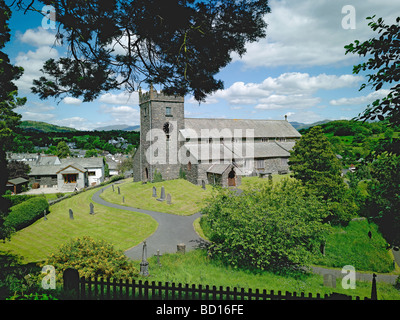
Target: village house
66	174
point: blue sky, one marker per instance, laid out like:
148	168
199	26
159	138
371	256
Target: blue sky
300	69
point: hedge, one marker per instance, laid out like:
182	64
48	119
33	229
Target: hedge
18	198
26	213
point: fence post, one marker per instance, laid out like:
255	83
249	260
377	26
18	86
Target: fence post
374	294
71	281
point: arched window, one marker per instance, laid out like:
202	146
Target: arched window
189	166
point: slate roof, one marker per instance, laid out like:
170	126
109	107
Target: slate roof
219	168
262	128
228	151
17	181
79	163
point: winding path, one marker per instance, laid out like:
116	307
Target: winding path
171	231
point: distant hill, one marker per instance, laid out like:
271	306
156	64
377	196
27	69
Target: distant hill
38	126
299	125
122	127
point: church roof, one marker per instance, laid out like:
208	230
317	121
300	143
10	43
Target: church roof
262	128
229	151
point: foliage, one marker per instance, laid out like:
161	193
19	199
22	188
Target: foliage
18	169
93	259
18	198
182	174
382	205
314	163
384	58
25	213
157	176
32	296
266	227
153	45
63	150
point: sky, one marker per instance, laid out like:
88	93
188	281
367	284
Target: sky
299	69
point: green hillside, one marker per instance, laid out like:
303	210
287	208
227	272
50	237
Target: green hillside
38	126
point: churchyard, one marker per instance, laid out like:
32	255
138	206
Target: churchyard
79	216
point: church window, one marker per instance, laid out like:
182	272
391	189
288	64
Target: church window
168	111
189	166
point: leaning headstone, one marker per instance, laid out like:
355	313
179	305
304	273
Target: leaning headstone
154	192
113	187
162	196
168	198
71	214
119	191
44	214
203	184
91	208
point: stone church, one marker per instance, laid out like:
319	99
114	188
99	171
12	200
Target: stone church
207	151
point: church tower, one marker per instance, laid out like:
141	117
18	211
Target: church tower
161	119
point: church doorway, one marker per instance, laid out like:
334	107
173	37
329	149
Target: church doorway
232	178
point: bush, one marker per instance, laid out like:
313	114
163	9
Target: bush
157	176
26	213
18	198
92	258
274	227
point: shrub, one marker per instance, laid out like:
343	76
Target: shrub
25	213
92	258
157	176
18	198
274	227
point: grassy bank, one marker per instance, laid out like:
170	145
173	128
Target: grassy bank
124	229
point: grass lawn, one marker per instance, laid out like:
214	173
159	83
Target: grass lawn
195	267
186	197
352	246
124	229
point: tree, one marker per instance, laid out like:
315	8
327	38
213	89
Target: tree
8	102
275	227
179	44
18	169
384	58
313	162
63	150
382	205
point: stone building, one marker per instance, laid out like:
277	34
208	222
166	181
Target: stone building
210	151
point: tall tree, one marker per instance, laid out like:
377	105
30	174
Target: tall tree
179	44
313	162
8	102
384	53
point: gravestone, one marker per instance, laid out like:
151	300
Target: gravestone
162	196
181	248
123	199
158	258
154	192
119	191
203	184
71	214
113	187
44	214
270	177
91	208
168	198
144	265
329	280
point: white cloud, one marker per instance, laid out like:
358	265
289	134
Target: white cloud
122	114
364	100
38	37
32	62
37	116
310	33
123	98
293	89
72	100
